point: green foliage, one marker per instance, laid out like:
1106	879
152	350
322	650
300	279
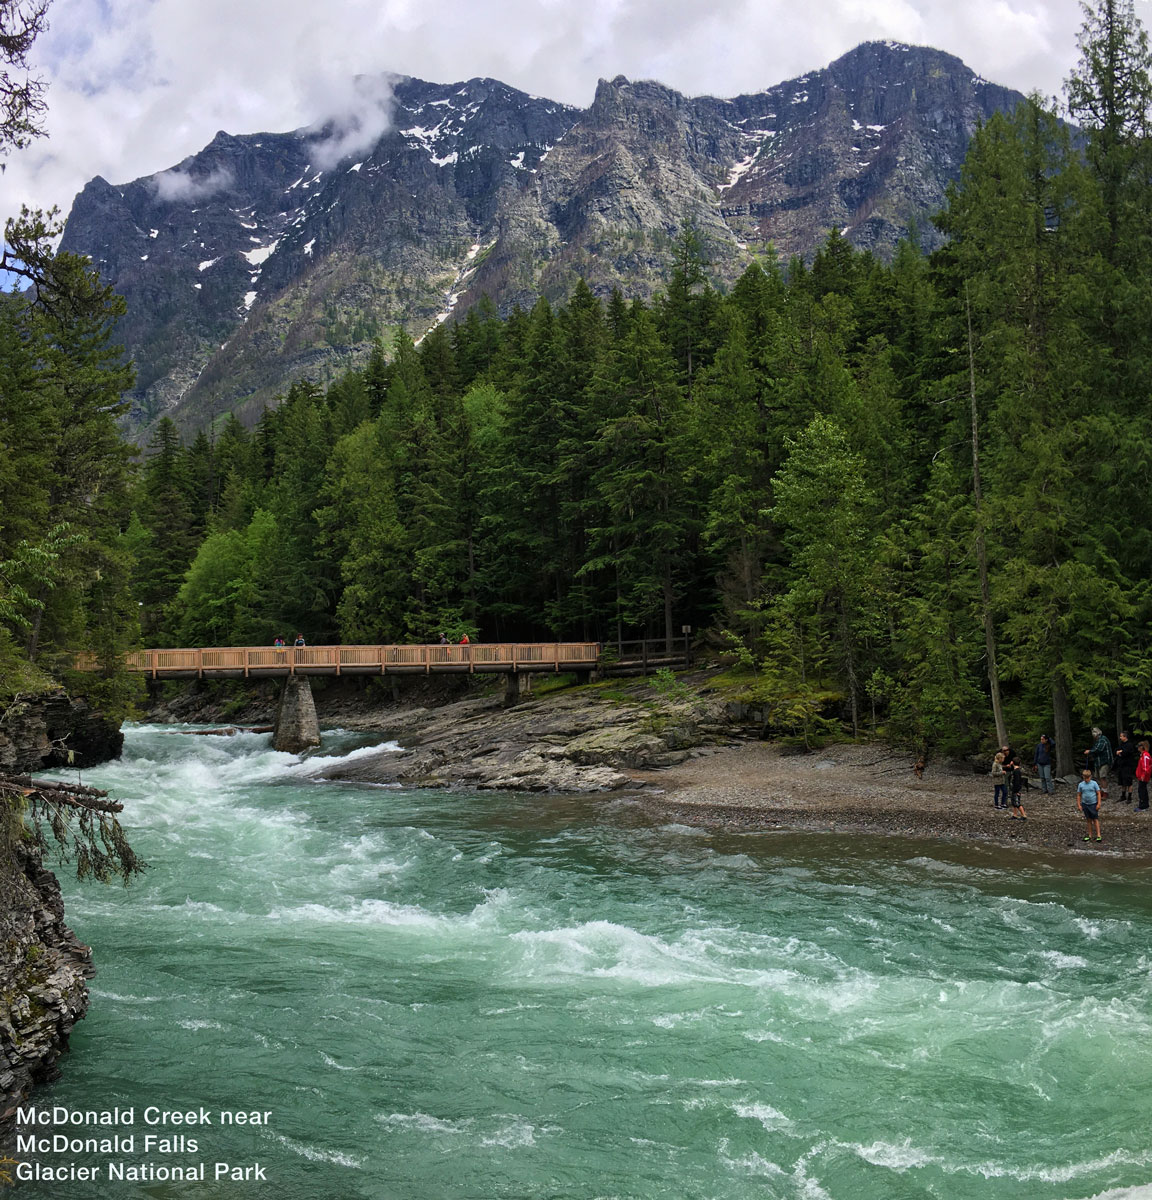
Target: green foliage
93	841
666	683
792	462
64	473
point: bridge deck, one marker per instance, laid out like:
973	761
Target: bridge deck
242	662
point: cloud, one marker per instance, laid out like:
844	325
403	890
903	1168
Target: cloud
357	115
176	185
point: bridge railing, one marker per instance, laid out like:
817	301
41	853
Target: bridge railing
499	656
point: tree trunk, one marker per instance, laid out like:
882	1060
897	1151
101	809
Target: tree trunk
849	665
32	646
1062	727
981	554
1120	725
668	606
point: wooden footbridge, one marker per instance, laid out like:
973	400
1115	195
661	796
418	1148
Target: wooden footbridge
256	662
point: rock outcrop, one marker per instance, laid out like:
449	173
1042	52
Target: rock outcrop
583	740
43	967
43	974
43	732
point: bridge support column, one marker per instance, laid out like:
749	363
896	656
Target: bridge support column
517	685
296	725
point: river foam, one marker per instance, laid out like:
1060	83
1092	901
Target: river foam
445	994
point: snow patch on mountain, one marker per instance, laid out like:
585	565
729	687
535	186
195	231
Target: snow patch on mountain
261	253
452	296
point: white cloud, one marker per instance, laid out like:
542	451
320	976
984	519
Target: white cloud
176	185
354	117
138	85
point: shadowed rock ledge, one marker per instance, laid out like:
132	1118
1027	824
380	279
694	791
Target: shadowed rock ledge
44	968
39	733
43	974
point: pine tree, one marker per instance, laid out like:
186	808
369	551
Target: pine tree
1110	94
640	477
827	514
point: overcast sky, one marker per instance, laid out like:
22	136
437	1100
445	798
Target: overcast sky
136	85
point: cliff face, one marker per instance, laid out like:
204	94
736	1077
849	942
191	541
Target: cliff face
46	732
43	974
43	967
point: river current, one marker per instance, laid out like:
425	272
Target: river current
444	995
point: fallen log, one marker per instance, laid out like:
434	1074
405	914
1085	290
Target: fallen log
75	795
225	730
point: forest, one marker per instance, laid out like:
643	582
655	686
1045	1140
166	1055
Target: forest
911	497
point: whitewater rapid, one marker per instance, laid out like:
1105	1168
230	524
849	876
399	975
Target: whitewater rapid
440	994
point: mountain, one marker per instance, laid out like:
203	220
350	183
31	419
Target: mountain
258	261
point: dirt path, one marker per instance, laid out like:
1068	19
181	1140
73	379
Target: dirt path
871	789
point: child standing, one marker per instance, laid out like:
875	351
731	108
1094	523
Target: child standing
1088	798
1016	775
999	783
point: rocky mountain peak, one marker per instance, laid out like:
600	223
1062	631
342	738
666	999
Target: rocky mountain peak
265	258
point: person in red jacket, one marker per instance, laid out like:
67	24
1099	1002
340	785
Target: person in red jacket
1143	774
465	640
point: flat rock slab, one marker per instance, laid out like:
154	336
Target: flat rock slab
575	742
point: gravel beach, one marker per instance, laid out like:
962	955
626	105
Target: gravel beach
872	789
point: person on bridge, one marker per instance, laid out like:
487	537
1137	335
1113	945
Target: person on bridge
465	640
278	642
299	640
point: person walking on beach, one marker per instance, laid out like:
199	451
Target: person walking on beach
1100	758
999	782
1124	765
1042	761
1016	777
1143	775
1088	799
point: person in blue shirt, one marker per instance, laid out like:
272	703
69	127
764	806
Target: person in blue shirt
1088	799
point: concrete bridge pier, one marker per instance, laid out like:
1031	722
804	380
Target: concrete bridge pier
517	685
296	725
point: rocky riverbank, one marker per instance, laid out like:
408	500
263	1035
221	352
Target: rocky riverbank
587	739
873	789
50	730
687	752
44	970
459	732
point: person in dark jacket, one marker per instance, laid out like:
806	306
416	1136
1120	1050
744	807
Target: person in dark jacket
1016	784
1100	758
1042	761
1124	767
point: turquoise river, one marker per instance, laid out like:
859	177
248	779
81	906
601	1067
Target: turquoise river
449	996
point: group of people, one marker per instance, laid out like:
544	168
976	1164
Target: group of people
1129	763
278	643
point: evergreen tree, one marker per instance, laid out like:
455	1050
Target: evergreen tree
640	478
827	512
1109	94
